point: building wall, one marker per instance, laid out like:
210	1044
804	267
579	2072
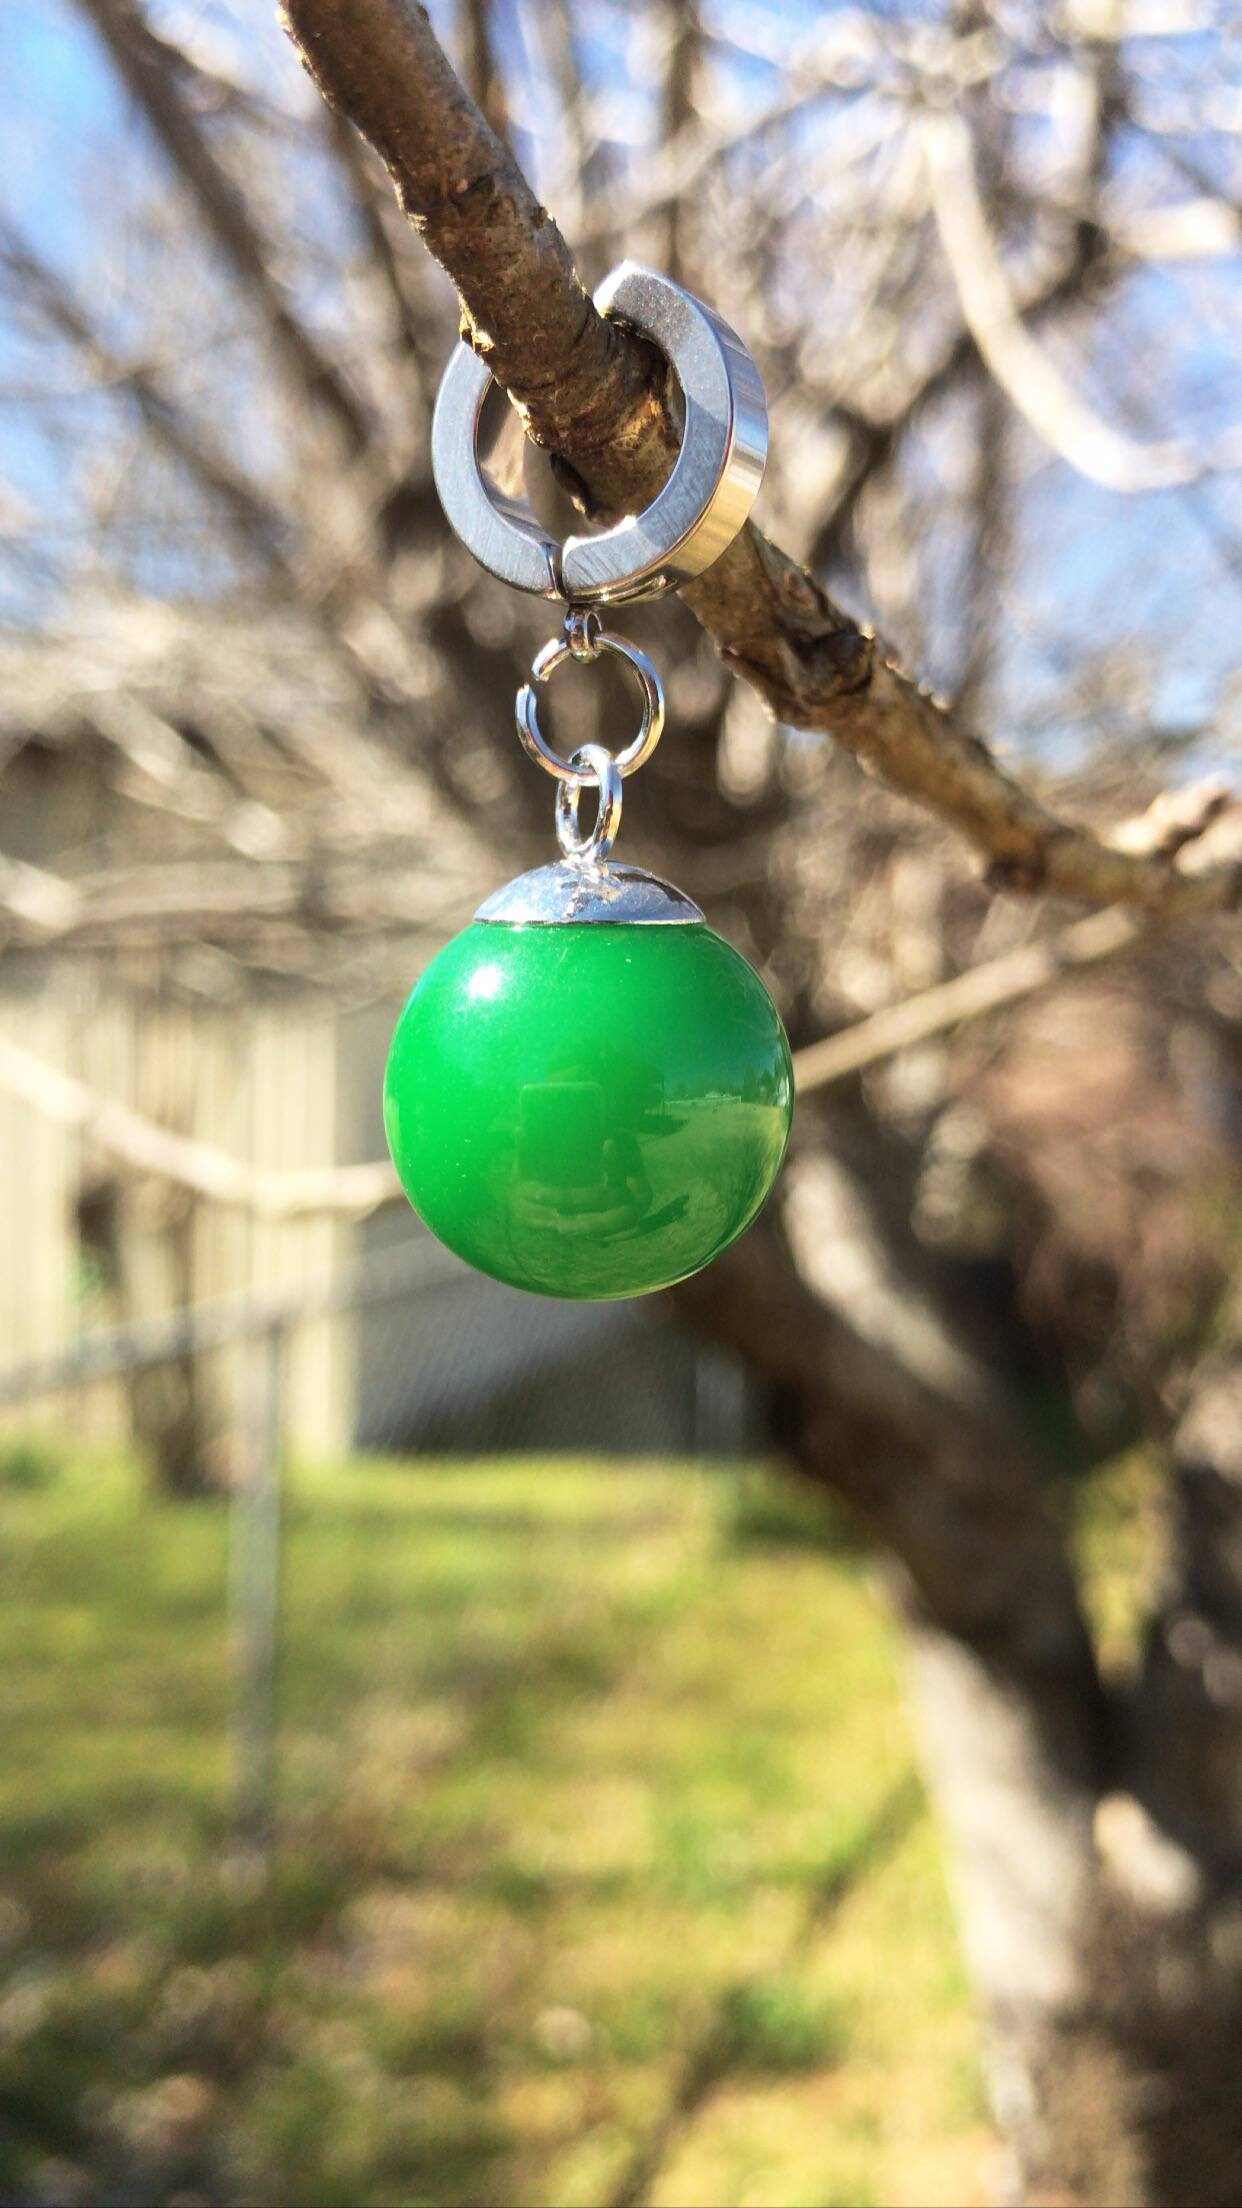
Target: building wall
259	1084
465	1365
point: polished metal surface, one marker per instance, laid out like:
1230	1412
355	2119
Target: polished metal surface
575	890
704	503
583	631
718	470
606	774
573	645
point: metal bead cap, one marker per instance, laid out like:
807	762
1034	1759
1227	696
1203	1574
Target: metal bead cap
574	890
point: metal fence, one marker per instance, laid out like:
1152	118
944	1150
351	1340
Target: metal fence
447	1363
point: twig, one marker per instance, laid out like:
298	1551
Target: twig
257	521
984	988
593	394
1174	820
1029	376
140	58
160	1154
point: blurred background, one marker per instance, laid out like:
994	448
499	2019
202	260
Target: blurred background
455	1744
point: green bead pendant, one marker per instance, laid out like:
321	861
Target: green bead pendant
593	1108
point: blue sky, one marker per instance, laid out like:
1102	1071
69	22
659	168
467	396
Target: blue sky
1099	574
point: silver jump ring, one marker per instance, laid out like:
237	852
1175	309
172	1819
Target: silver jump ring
687	526
596	766
636	753
583	632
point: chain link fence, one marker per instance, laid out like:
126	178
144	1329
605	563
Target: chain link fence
444	1363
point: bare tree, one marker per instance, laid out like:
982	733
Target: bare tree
949	242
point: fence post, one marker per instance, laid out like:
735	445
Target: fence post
255	1559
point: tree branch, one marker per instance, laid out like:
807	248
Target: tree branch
47	906
140	59
157	1153
259	524
1029	376
593	395
967	996
1174	821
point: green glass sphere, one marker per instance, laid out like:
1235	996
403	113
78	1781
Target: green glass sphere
594	1109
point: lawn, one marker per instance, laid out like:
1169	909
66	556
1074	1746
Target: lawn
603	1875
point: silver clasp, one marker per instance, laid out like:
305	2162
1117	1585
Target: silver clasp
712	487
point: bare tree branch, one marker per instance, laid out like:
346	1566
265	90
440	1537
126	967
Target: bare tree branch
258	523
1030	377
160	1154
150	1149
140	59
981	989
594	396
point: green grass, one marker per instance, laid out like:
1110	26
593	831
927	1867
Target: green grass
1115	1525
602	1874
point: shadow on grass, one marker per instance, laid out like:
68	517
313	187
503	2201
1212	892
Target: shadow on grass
196	2057
498	1724
775	1509
767	2025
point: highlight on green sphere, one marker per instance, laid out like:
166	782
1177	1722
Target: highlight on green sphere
589	1110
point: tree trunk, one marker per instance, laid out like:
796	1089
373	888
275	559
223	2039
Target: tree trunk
1109	1977
141	1237
1093	1864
